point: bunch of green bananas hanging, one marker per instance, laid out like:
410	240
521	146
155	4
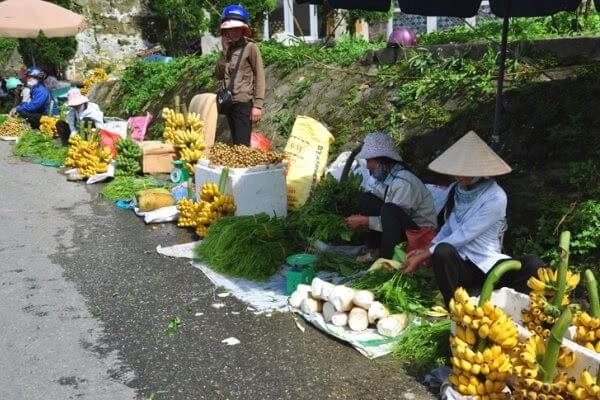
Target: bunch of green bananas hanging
588	387
541	314
480	372
128	158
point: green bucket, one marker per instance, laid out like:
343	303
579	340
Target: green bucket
301	271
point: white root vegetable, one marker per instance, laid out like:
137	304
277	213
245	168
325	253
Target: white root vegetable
363	299
392	326
377	311
315	288
303	288
341	298
298	296
358	319
326	290
339	319
310	306
328	311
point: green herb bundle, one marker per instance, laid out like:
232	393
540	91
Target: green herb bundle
250	247
39	148
126	187
128	158
425	346
343	265
322	217
400	292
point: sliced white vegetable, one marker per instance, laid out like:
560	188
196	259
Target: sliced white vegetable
339	319
377	311
326	290
328	311
315	288
303	288
341	298
310	306
364	299
358	319
297	297
392	326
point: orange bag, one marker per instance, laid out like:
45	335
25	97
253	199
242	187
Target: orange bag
419	238
109	139
258	140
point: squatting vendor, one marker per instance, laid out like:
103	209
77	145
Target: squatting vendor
41	103
469	243
397	201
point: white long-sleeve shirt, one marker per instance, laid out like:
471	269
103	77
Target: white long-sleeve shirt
92	111
478	237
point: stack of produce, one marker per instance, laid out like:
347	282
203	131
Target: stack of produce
187	133
48	126
250	247
549	294
483	339
239	156
87	156
98	75
344	306
588	387
128	157
588	324
13	127
213	205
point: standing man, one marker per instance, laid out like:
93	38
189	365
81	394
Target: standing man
241	68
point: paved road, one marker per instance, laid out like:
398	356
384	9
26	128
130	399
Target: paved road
85	302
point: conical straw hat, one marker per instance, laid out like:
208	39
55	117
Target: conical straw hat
470	156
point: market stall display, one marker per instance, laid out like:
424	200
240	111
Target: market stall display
128	157
48	126
239	156
87	156
40	149
12	127
126	187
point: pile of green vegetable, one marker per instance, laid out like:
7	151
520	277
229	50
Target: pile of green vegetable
323	215
34	146
425	346
250	247
128	158
126	187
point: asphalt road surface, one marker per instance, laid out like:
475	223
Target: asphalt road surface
85	302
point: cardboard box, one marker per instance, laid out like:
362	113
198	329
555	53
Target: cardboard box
157	157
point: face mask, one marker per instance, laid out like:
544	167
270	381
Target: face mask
380	174
32	82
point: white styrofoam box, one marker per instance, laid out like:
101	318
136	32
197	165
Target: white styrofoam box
255	190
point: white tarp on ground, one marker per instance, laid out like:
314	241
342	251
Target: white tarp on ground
9	138
165	214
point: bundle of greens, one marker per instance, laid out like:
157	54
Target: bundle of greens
250	247
128	158
425	346
343	265
126	187
400	292
34	146
322	217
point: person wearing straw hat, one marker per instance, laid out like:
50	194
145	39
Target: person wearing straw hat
469	243
248	75
82	110
398	202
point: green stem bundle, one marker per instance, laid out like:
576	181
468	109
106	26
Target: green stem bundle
553	348
565	239
592	289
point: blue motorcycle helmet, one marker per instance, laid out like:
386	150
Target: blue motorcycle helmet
235	11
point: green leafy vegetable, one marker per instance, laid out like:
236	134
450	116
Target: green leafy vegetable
343	265
40	149
425	346
126	187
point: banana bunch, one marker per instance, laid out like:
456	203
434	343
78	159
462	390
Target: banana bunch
588	331
48	126
191	155
12	127
587	388
223	205
209	191
541	314
128	158
87	157
187	213
186	132
98	75
200	215
487	322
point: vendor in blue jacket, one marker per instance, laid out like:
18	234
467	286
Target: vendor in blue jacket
469	243
41	100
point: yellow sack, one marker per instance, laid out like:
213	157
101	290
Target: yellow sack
307	151
153	199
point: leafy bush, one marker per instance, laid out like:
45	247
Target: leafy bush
6	48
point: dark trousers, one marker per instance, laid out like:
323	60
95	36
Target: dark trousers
32	118
394	222
239	122
452	272
64	131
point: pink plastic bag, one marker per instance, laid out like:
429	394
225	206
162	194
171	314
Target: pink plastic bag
139	125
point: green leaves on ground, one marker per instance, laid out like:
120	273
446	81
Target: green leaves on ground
126	187
173	326
38	148
425	346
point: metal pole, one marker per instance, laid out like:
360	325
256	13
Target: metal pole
503	50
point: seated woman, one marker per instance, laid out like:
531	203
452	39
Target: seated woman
41	102
82	110
469	243
397	202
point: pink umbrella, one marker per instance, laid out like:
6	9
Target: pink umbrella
27	18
